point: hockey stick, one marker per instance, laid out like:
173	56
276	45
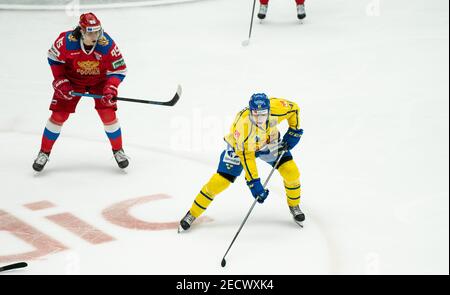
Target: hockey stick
169	103
224	262
246	42
13	266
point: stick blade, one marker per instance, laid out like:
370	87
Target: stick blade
178	94
246	42
14	266
175	99
223	263
179	90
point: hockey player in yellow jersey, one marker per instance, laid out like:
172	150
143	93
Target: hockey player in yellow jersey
254	134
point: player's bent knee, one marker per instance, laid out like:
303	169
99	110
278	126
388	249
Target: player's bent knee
59	117
217	184
107	115
289	171
284	160
229	177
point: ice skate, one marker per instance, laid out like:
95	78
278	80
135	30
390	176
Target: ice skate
262	11
301	13
41	160
121	158
186	222
297	214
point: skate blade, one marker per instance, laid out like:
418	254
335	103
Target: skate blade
299	223
37	173
180	229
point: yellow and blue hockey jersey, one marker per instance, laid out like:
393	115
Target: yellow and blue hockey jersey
247	138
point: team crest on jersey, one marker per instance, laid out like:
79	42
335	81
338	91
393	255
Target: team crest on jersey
88	67
72	38
103	41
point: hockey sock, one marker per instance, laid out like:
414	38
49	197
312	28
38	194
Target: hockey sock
215	186
291	177
52	130
112	127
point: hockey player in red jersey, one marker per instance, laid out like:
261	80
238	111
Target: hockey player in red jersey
301	14
85	60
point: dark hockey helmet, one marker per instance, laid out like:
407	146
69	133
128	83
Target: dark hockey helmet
259	106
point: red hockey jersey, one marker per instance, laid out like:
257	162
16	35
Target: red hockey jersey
69	59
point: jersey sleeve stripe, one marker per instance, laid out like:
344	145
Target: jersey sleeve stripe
54	62
120	77
118	72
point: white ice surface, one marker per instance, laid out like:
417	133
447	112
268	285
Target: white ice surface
371	78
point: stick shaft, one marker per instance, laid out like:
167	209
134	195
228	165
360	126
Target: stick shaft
251	21
254	202
171	102
96	96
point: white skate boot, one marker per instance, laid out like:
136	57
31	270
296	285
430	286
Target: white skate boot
262	11
301	13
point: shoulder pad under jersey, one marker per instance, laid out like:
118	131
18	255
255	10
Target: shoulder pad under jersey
104	44
72	43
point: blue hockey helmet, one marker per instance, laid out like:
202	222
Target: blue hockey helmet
259	101
259	108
